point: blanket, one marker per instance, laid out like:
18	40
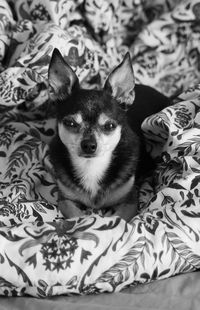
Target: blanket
43	254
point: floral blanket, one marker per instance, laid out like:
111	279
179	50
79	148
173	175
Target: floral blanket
42	254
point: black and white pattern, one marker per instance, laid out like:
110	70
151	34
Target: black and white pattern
41	253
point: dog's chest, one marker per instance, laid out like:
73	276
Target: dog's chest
89	191
90	172
110	197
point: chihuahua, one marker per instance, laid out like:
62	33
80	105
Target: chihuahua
95	151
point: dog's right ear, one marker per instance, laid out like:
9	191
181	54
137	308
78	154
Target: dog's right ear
121	83
61	78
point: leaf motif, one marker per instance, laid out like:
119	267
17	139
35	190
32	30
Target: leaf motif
178	264
176	186
22	81
26	245
129	258
127	275
110	225
47	206
39	207
160	256
84	255
22	155
20	272
172	235
174	133
185	268
155	274
153	199
120	266
151	224
118	279
168	245
21	137
135	268
2	259
33	75
142	258
182	247
33	132
72	283
195	181
86	236
43	180
192	214
41	292
4	282
184	252
196	192
10	236
167	199
91	267
173	255
37	216
176	241
163	239
197	159
43	284
164	272
182	195
32	260
147	247
188	203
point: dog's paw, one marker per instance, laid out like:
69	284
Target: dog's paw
69	209
126	211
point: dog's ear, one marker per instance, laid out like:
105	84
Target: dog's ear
61	78
121	82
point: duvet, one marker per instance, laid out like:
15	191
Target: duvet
43	254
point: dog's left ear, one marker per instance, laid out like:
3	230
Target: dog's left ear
61	78
121	82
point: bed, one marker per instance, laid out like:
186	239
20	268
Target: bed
96	262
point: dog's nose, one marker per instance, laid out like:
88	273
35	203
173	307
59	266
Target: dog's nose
89	146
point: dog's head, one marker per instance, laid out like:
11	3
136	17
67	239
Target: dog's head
90	122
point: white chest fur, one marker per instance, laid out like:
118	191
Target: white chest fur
110	197
91	171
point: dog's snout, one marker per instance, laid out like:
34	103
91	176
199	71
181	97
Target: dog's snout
89	146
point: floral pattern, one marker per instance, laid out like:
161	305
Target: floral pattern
42	254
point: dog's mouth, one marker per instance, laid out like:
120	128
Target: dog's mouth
87	155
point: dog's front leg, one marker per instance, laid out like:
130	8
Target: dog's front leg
126	211
129	208
68	208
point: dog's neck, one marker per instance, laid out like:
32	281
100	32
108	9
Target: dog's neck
91	171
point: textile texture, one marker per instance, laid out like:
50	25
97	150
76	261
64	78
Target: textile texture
43	254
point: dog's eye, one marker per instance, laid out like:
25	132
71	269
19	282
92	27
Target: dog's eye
109	126
70	123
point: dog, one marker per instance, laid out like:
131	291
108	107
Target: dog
98	144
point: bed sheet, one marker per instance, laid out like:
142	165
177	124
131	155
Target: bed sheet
42	254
